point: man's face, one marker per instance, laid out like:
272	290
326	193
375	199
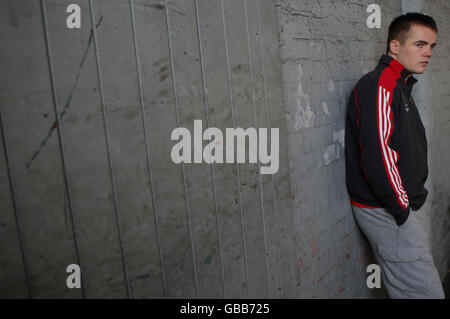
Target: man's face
416	51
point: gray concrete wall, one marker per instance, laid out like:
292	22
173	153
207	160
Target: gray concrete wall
148	228
183	232
433	98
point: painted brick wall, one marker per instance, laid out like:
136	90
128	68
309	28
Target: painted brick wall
325	48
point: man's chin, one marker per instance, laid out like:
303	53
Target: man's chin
418	71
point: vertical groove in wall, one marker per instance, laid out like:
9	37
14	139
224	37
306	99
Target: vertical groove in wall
61	142
268	126
16	211
147	148
172	68
202	68
259	164
235	146
105	123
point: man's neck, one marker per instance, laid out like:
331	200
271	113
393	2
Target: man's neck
394	57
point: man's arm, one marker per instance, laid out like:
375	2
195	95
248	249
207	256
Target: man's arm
377	123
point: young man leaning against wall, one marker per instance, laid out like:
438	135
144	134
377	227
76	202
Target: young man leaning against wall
386	160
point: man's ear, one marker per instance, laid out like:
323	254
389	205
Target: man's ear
394	46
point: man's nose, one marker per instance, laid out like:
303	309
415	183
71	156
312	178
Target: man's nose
429	52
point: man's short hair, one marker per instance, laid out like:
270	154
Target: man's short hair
399	27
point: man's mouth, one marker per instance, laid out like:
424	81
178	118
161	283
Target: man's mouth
424	63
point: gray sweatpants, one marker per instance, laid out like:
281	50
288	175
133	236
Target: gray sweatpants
402	252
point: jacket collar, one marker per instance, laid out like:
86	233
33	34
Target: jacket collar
397	67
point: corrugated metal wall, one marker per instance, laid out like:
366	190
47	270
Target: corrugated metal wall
85	170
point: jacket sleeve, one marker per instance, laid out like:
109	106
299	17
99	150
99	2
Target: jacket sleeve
377	123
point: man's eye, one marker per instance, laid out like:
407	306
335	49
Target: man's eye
420	45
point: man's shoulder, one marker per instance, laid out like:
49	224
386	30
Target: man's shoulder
374	78
366	85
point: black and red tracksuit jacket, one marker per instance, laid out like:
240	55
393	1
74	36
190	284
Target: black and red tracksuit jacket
385	142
